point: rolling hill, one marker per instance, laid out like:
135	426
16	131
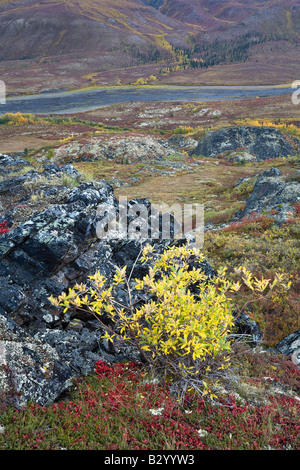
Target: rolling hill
55	44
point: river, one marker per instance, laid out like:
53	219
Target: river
87	100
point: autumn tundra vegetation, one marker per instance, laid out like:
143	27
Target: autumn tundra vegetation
117	345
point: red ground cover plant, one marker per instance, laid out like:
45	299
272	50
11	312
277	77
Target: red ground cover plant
252	223
297	207
4	227
116	408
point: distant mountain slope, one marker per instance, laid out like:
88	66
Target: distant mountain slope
30	28
217	13
37	29
53	38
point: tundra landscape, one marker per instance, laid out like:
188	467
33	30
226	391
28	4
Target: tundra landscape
186	336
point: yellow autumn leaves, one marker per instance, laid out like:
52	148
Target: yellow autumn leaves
185	321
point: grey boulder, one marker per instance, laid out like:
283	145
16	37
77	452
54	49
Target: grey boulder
261	142
30	370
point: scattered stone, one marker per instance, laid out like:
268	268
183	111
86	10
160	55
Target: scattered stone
10	163
247	327
242	157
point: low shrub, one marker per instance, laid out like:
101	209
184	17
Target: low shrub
183	329
16	119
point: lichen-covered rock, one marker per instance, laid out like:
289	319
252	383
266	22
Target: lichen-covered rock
52	250
248	328
58	247
272	196
181	142
290	346
261	142
124	149
46	253
12	163
18	193
30	370
242	157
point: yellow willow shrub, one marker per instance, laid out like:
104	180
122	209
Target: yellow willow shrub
16	119
183	329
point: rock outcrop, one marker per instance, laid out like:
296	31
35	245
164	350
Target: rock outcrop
9	163
272	196
123	149
262	143
290	346
30	370
49	252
